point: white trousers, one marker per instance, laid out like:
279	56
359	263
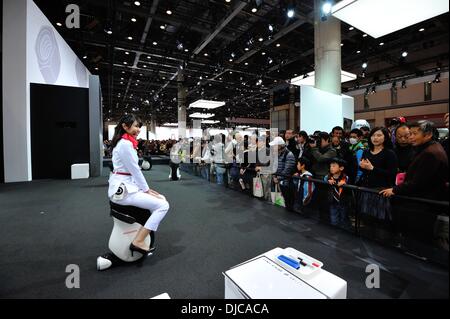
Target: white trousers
158	207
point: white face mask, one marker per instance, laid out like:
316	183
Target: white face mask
353	141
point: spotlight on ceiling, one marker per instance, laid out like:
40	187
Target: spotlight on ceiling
404	54
404	84
290	13
169	12
180	46
133	19
137	3
437	79
270	28
364	65
326	8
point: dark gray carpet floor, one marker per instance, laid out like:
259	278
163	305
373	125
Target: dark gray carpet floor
46	225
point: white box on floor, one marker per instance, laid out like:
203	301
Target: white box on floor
79	171
268	277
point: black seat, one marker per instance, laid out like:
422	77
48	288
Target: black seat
129	214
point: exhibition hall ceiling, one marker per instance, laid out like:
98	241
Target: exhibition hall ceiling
229	50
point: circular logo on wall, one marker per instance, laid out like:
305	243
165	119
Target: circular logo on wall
81	73
47	53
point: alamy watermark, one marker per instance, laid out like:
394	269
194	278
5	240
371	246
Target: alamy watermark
373	279
73	19
73	279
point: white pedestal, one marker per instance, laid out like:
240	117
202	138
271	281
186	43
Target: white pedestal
267	277
79	171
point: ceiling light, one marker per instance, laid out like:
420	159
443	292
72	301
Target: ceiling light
246	49
133	20
366	15
364	65
404	54
59	24
246	63
326	8
206	54
130	38
96	69
127	53
421	29
342	44
309	78
210	122
381	43
278	45
227	0
231	60
137	3
260	39
162	27
144	66
206	104
263	53
85	57
270	28
155	43
290	13
186	50
202	115
364	35
254	9
169	12
351	28
358	52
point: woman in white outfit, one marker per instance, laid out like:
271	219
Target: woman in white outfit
127	184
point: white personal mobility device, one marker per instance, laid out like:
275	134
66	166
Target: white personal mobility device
127	222
283	274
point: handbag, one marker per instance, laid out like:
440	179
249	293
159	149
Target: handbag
257	187
277	197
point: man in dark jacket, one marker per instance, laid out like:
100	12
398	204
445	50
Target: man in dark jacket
403	148
426	177
322	153
291	143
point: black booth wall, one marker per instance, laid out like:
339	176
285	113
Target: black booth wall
59	129
2	172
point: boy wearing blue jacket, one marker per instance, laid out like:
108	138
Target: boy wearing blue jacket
305	188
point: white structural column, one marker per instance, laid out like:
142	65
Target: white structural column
181	104
327	51
16	112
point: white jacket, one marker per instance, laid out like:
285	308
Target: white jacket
125	160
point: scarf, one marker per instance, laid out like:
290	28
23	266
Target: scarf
130	138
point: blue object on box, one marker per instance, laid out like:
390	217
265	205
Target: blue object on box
291	262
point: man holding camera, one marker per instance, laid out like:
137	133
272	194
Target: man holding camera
321	152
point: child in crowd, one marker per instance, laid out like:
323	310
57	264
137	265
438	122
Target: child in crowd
305	188
338	206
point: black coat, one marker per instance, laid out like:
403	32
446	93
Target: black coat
427	176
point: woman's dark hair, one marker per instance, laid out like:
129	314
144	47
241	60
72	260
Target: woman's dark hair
128	120
387	138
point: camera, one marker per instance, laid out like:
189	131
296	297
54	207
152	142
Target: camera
314	139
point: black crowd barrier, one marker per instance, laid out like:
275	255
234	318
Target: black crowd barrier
415	226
